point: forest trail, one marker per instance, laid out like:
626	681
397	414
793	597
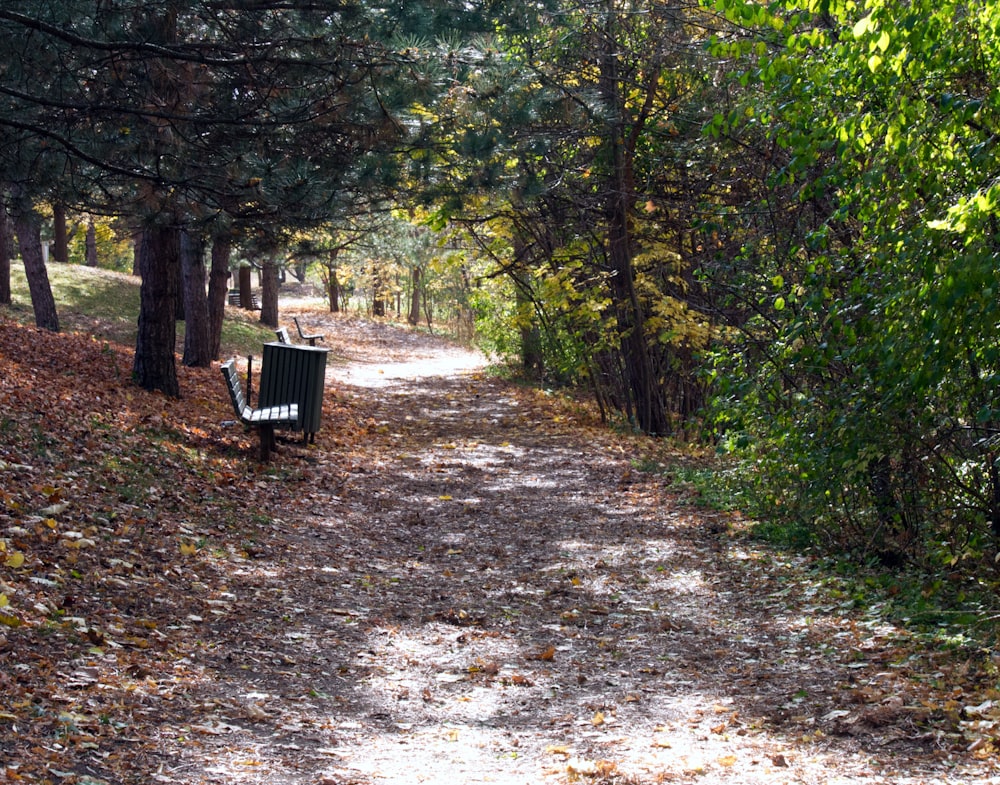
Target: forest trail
490	591
463	582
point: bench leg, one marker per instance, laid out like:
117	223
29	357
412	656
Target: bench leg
267	441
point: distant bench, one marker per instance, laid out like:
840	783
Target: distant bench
311	338
236	299
264	420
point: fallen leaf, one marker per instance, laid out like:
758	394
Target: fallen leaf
9	619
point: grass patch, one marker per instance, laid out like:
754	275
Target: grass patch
702	481
105	304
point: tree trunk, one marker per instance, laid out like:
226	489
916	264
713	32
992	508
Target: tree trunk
197	335
6	254
269	292
28	225
60	236
532	356
649	412
246	288
378	293
218	291
333	282
155	366
91	244
414	315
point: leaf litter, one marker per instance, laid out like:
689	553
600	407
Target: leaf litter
463	581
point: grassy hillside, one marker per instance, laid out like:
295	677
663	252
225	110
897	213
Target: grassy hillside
105	304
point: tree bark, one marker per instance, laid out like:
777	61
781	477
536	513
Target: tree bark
6	254
60	236
197	335
218	291
269	292
414	315
378	292
155	365
532	354
333	282
246	288
28	225
649	411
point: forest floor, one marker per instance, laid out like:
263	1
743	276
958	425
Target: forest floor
463	581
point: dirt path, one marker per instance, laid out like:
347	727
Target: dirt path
491	592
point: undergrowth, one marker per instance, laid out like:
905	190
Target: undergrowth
950	608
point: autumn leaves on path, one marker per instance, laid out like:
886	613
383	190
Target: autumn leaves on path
489	591
464	581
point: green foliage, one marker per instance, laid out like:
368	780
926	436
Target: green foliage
863	391
575	122
113	251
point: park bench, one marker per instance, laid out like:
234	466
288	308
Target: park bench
312	338
282	333
265	419
236	300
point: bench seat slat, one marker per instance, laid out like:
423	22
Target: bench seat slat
286	413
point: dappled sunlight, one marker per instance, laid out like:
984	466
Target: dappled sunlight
457	584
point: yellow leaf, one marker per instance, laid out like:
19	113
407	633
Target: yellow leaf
727	760
597	719
188	549
51	523
445	498
9	619
4	602
15	560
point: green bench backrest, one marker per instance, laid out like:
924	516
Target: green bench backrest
235	388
